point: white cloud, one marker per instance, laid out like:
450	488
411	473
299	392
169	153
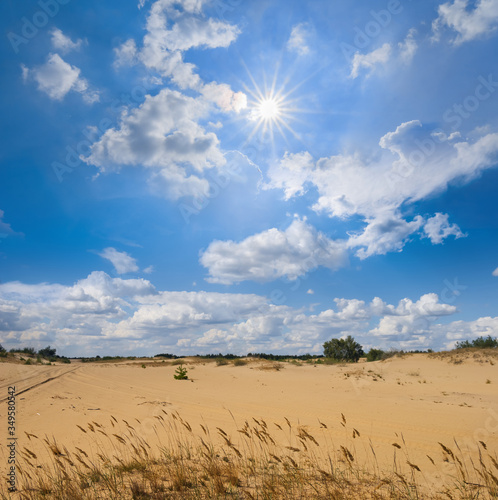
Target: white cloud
495	272
56	78
224	97
99	315
411	166
273	254
469	22
438	228
299	39
291	174
149	270
64	43
371	60
384	234
414	164
408	47
410	320
5	229
125	54
163	134
163	46
122	262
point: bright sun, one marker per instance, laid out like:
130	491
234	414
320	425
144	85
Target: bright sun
268	109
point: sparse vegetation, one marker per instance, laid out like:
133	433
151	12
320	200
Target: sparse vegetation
180	373
239	362
252	464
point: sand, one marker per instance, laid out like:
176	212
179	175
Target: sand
420	399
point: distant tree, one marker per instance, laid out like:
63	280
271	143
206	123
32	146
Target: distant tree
480	342
343	349
47	352
1	348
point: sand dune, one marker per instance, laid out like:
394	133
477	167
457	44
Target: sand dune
419	398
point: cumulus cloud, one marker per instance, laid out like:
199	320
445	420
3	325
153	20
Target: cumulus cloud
163	134
63	43
56	78
438	228
410	166
370	61
410	320
383	234
122	262
99	314
273	254
173	28
224	97
469	21
299	39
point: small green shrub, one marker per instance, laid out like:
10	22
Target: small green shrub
221	362
240	362
375	355
180	373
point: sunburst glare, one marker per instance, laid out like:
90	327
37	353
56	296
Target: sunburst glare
271	109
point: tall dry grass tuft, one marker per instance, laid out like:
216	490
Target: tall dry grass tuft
257	461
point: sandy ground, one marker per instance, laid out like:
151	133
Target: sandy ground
419	398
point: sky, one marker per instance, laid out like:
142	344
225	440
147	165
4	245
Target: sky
204	176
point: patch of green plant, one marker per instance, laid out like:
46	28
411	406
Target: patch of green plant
180	373
375	354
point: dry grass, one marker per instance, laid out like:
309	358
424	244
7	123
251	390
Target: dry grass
470	354
261	460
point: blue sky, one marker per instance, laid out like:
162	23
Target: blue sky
202	176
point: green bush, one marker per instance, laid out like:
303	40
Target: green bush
47	352
240	362
180	373
375	354
343	349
